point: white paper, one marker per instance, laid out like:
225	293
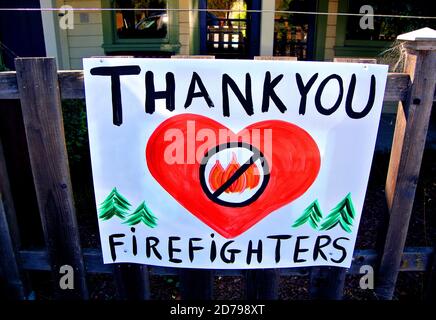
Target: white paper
289	141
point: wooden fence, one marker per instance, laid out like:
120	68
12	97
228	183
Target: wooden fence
40	87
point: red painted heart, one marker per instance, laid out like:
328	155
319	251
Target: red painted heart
293	158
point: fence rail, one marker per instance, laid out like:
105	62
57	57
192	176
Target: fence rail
40	88
414	259
72	86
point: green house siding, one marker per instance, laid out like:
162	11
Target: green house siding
320	30
194	16
113	44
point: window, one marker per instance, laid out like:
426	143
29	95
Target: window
140	25
353	41
292	32
387	29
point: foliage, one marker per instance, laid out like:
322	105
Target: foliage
76	130
222	5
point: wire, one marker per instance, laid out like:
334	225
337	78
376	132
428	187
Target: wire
223	10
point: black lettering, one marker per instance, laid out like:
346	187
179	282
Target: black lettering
171	250
193	248
340	248
304	90
349	100
151	95
298	250
279	238
212	249
320	90
257	251
115	73
203	92
246	102
268	92
318	246
149	246
113	244
134	243
232	252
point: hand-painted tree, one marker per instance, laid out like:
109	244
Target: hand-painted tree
114	205
343	214
312	214
142	214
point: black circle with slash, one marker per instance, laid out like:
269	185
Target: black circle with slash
257	155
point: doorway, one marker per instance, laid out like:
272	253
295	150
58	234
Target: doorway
228	30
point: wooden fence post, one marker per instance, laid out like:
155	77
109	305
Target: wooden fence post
8	202
407	150
262	284
430	284
38	85
327	283
132	281
9	234
195	284
9	271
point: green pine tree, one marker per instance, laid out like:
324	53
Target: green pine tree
311	214
142	214
343	214
114	205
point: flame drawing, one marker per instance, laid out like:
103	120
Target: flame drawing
218	176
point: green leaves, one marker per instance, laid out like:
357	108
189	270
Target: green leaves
311	214
142	214
342	214
116	205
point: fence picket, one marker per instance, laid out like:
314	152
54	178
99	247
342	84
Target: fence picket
41	105
262	284
327	283
405	162
8	202
9	271
132	281
196	284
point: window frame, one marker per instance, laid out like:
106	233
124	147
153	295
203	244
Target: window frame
111	42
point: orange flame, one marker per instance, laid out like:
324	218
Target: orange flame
218	176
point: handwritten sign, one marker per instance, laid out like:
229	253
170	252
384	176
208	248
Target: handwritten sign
229	163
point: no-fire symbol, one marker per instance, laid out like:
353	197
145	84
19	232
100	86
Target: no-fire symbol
234	174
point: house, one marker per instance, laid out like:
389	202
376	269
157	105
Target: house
193	27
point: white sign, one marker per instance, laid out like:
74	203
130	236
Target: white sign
228	163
